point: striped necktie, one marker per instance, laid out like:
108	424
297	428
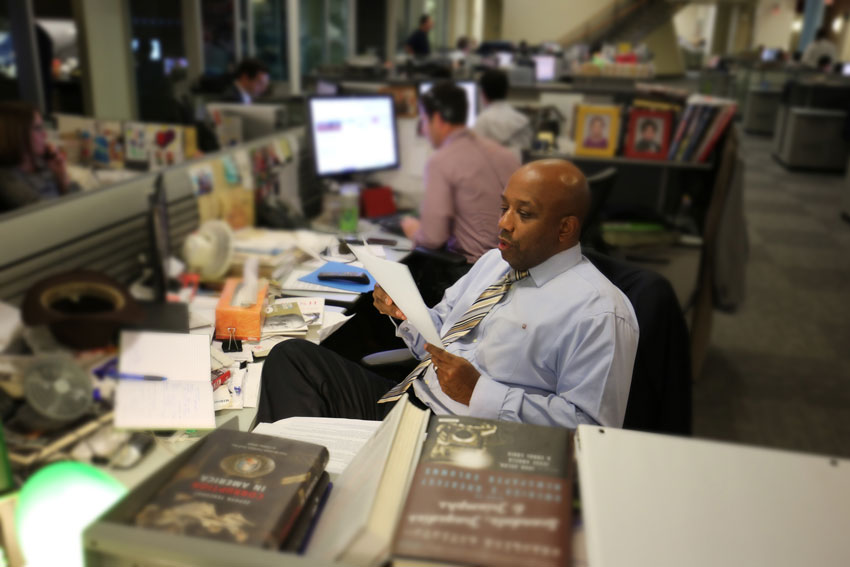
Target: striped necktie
476	312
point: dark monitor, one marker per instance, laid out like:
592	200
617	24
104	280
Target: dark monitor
353	134
159	239
471	96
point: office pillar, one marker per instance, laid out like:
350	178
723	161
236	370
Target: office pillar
351	32
722	23
109	78
812	20
22	21
392	37
662	42
293	19
193	37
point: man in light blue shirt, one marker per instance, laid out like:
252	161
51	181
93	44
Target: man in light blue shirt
557	348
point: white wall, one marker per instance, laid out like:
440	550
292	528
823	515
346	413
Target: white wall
773	23
695	22
546	20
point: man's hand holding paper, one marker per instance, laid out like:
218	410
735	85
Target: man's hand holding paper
397	283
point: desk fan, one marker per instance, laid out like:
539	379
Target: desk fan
209	250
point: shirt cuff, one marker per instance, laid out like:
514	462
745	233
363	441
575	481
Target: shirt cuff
487	398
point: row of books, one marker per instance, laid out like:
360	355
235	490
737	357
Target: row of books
700	127
684	130
442	489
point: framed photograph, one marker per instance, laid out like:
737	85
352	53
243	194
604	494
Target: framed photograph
597	130
648	135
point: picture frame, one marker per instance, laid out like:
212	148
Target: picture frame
597	130
648	135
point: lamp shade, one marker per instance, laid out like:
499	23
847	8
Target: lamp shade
54	507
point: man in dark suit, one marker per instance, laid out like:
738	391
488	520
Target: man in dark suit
251	80
418	44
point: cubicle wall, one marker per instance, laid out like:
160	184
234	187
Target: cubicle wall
106	229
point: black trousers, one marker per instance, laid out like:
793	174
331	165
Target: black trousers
303	379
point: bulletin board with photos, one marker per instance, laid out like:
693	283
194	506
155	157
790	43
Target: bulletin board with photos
228	187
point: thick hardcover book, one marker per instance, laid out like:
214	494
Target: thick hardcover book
489	493
726	114
680	132
705	120
297	539
239	487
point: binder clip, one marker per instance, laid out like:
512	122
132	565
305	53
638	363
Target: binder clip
231	344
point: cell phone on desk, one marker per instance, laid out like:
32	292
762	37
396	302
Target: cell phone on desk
350	277
377	241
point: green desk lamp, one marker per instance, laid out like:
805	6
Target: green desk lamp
54	507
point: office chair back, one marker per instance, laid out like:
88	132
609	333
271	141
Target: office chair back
600	184
660	394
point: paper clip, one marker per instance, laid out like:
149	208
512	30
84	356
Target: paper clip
232	344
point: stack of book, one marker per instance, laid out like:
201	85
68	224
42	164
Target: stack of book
703	122
243	488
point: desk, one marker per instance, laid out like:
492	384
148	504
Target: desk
165	448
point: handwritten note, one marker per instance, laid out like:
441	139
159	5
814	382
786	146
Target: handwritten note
184	400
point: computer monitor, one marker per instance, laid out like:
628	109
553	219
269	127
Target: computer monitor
159	239
471	96
769	54
845	69
544	67
505	59
327	88
353	134
258	120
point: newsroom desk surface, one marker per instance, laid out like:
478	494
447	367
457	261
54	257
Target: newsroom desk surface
167	447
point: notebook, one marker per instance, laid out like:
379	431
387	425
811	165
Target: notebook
183	400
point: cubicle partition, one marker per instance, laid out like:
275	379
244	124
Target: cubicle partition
106	229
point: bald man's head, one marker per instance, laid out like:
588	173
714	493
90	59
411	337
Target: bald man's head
543	208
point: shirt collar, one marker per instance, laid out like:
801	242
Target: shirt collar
555	265
246	97
454	136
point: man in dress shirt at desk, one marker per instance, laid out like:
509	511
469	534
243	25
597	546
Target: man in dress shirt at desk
533	333
252	80
500	121
463	179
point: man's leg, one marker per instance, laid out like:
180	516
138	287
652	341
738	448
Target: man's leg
302	379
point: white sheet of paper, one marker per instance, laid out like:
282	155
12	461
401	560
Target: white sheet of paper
343	437
251	385
396	280
183	401
172	404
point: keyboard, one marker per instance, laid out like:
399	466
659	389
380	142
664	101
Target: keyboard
391	223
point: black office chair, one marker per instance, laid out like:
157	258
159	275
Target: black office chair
600	184
660	393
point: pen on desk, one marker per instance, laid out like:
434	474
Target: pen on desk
131	376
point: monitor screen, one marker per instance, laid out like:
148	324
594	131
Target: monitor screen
505	59
769	54
544	67
326	87
353	134
471	97
845	69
